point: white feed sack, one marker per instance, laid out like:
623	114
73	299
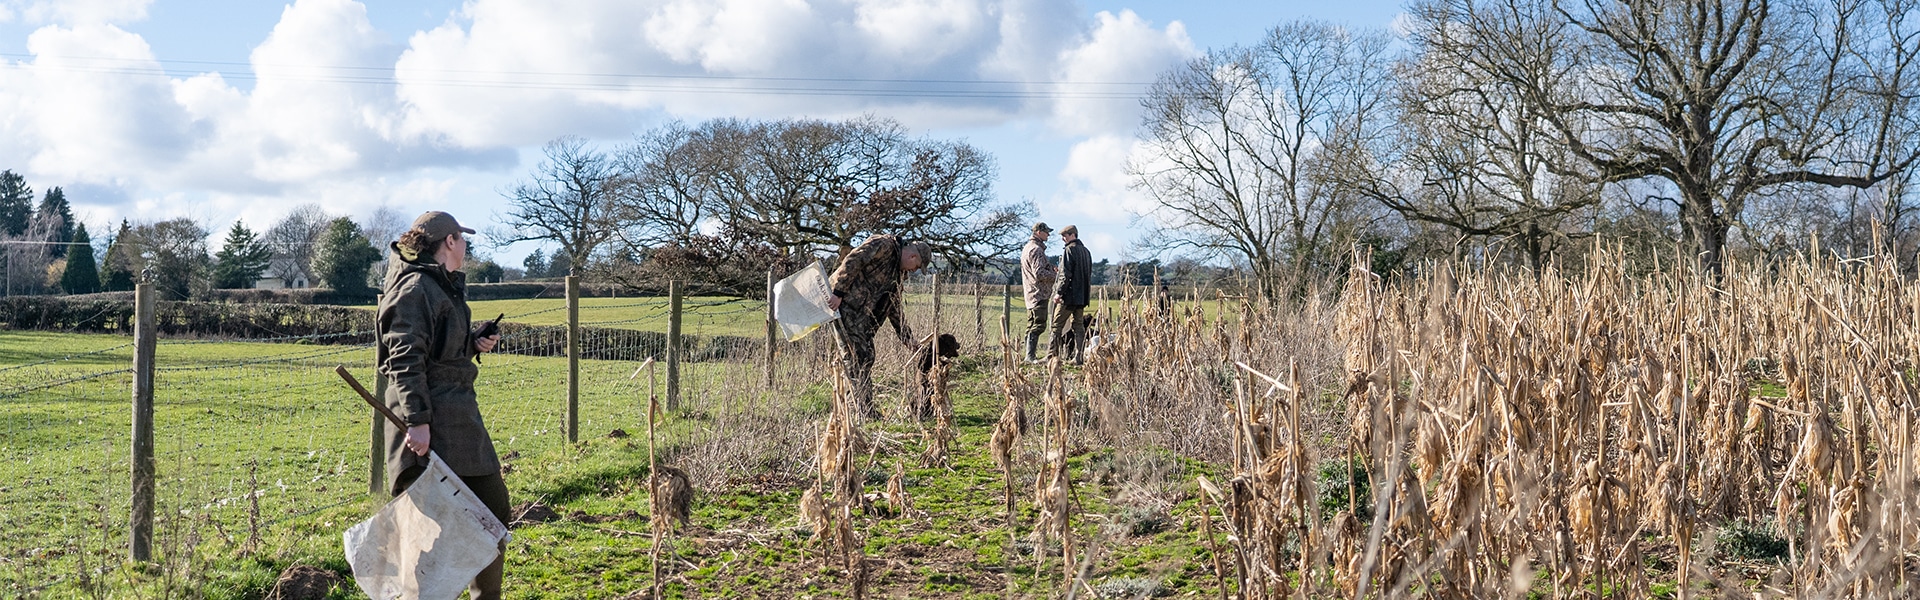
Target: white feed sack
800	302
427	543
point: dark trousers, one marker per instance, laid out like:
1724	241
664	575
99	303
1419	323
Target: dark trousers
1069	331
492	491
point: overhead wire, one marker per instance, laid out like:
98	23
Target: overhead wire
694	83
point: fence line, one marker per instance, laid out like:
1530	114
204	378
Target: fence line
223	408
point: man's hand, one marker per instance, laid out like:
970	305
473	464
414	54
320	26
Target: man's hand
417	439
906	339
486	344
833	303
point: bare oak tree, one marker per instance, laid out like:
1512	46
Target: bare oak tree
1720	99
1467	151
732	195
1235	139
568	200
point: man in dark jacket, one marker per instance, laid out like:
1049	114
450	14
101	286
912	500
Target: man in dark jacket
866	291
1071	298
426	351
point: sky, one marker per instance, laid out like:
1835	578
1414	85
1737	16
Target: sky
148	110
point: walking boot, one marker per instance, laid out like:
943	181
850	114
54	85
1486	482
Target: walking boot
1033	347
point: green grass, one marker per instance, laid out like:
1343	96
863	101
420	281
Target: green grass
703	316
225	408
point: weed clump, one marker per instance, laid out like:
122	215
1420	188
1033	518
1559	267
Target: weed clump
1337	479
1742	539
1131	588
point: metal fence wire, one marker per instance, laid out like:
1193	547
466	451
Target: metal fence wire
266	421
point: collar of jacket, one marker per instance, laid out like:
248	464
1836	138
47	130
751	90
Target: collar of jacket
411	261
1075	242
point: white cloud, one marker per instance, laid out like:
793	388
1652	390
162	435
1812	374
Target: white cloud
94	108
1095	179
1122	48
517	72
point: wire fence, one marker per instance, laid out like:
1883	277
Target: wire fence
266	421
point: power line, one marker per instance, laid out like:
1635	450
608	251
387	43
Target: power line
668	83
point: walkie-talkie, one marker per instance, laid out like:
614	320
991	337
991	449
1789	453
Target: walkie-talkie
488	328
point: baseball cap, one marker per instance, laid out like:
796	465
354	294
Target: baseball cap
438	225
1042	226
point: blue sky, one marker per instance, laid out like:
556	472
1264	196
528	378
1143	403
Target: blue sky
147	110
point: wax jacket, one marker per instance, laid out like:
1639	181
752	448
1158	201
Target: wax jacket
425	353
1076	274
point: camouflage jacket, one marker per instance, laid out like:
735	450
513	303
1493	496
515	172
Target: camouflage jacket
868	284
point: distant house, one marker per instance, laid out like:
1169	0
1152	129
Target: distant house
283	273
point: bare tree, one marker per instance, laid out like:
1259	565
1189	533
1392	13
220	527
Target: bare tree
1721	100
567	200
382	227
731	198
1467	152
663	188
293	240
1235	138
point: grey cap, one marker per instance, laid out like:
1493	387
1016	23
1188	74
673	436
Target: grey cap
1042	226
1069	230
438	225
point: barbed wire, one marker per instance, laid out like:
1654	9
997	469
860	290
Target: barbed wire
67	357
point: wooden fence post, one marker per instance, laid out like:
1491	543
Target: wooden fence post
141	523
979	317
771	340
1006	311
573	358
377	440
673	346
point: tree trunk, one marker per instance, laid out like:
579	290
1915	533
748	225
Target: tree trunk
1706	229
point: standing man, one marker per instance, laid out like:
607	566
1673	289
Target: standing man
1076	286
1036	281
866	290
426	351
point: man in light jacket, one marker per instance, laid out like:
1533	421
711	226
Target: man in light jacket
1036	281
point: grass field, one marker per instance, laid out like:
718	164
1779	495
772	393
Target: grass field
239	422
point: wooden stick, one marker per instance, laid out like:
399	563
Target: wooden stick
377	405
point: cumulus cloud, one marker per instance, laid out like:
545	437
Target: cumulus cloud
1095	180
1122	52
514	71
335	110
95	106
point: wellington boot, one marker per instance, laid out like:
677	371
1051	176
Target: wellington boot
1033	346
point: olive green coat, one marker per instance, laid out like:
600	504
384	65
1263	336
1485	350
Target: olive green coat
425	353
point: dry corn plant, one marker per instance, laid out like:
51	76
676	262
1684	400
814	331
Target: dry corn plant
828	504
1053	489
1165	381
940	440
1586	426
1005	442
